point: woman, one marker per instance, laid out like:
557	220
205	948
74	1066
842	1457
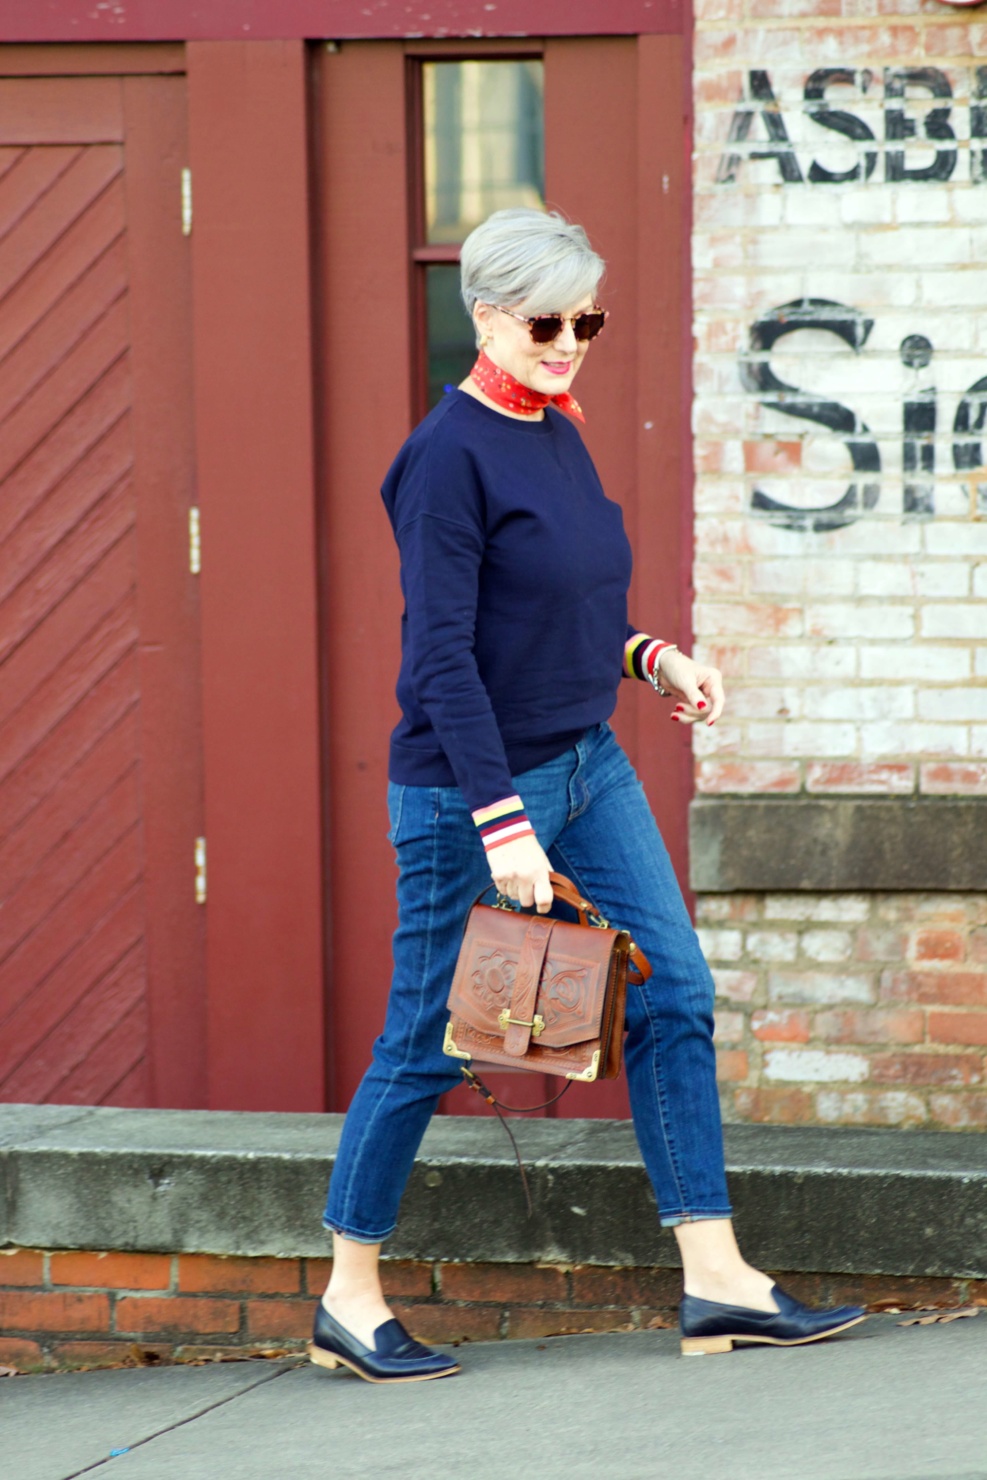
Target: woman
515	569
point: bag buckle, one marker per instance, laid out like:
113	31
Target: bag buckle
537	1023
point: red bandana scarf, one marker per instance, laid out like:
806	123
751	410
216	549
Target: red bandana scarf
506	391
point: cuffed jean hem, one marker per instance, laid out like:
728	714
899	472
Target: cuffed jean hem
672	1220
357	1238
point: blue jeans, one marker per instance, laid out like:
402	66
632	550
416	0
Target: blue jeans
592	818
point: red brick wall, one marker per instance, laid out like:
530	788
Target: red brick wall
88	1309
862	1009
850	624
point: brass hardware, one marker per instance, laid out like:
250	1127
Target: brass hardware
449	1045
186	202
200	870
590	1072
537	1024
194	541
503	902
598	922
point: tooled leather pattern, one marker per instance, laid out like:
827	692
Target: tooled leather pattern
529	968
493	980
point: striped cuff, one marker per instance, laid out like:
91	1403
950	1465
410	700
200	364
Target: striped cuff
502	822
641	653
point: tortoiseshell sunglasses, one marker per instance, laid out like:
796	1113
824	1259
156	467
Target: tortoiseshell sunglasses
544	327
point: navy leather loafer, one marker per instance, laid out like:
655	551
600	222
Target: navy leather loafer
394	1357
708	1327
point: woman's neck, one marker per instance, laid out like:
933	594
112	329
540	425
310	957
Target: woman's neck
470	387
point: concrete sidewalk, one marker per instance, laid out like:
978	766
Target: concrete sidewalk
881	1401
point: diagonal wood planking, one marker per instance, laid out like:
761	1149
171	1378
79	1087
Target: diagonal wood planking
73	982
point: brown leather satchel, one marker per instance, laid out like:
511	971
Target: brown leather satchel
532	992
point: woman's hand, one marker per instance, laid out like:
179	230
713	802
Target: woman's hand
520	870
699	688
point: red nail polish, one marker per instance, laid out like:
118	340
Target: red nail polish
701	704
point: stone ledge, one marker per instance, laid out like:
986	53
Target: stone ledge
837	843
222	1182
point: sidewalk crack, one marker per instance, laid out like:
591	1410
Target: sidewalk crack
181	1422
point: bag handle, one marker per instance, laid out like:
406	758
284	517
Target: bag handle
640	968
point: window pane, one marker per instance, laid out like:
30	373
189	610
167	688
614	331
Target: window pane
451	342
484	143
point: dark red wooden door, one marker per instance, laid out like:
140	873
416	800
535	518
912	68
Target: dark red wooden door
616	159
100	939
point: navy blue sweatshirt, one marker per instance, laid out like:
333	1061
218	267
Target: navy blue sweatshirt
514	570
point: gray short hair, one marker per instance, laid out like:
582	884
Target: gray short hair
530	258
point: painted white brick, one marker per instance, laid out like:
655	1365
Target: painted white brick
855	1107
908	739
884	578
885	702
978	740
834	576
811	208
827	945
722	739
802	738
875	536
981	662
980	580
843	620
721	945
845	908
955	620
804	988
961	704
950	580
735	986
852	908
905	246
772	945
954	289
720	496
969	205
872	206
747	702
783	248
797	661
918	662
912	206
813	1065
956	537
777	576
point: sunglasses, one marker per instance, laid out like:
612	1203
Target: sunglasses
545	327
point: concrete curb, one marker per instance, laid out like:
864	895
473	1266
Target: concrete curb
808	1199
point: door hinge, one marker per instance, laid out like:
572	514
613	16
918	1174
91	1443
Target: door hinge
200	870
186	202
194	541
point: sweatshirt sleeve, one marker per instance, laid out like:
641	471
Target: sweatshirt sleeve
440	566
641	653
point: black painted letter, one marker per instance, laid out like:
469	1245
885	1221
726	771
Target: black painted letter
756	374
899	126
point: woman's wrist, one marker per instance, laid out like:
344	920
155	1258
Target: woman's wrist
502	822
642	656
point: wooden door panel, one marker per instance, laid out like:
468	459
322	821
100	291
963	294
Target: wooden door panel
37	1017
99	228
96	598
43	769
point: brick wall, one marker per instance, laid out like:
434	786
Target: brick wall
62	1309
841	517
864	1009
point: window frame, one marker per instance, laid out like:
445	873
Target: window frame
423	254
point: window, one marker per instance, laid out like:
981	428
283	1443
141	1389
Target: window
480	148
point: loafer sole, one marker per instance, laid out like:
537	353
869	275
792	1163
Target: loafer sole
703	1346
331	1360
